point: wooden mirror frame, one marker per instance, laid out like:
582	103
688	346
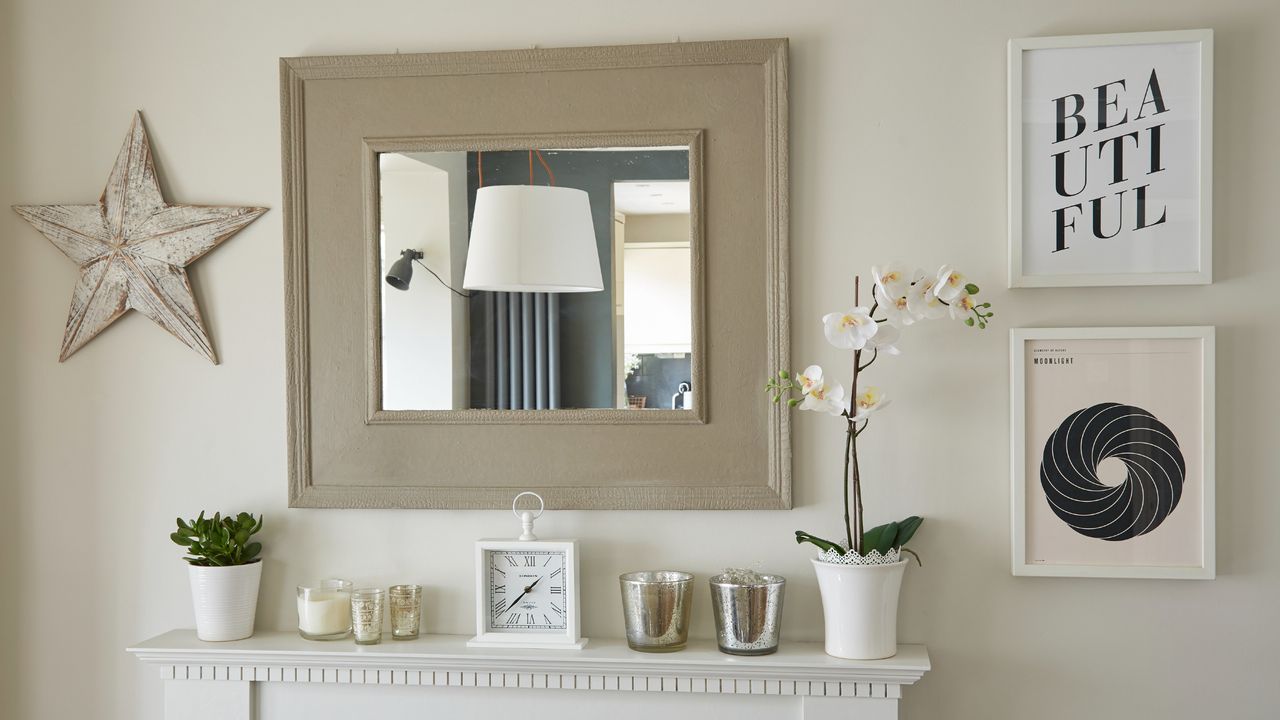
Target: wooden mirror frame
726	100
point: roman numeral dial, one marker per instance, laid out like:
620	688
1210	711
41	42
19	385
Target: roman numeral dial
526	590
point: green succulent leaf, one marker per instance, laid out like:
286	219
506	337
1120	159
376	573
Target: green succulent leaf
220	540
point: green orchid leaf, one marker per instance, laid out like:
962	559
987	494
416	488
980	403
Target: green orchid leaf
907	528
804	537
871	538
879	538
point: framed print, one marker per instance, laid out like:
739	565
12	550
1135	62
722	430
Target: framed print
1111	160
1112	444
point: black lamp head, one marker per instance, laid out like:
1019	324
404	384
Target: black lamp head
401	272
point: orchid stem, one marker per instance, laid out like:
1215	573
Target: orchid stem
848	529
875	353
851	456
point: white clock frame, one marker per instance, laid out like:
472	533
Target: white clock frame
571	639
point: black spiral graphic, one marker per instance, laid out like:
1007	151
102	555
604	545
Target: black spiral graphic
1152	484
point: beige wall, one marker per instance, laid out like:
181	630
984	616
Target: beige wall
672	227
898	151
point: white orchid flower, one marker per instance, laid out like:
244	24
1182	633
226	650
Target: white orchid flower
896	309
824	397
949	283
891	279
961	306
809	378
849	330
867	402
886	339
923	301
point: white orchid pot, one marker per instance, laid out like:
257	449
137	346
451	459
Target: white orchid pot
225	600
860	608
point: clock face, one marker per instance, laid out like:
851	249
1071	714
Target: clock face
526	591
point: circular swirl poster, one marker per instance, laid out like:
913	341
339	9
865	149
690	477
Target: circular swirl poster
1153	479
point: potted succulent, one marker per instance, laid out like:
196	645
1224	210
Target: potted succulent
224	567
860	575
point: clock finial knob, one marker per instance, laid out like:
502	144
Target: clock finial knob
527	517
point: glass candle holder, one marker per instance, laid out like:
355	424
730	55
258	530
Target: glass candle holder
406	611
324	610
748	611
366	615
655	606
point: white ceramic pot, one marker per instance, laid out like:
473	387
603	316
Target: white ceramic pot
860	608
225	600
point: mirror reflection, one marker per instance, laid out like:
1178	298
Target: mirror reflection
536	279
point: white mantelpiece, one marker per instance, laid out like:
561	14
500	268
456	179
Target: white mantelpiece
248	678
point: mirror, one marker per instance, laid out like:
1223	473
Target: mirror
716	111
461	323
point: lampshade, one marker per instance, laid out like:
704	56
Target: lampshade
532	238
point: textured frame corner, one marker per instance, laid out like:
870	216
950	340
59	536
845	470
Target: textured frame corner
770	54
1018	338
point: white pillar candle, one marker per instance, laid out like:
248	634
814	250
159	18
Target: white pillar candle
324	613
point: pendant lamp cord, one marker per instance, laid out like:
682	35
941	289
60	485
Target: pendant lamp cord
551	177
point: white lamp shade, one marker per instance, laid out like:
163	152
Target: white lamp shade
532	238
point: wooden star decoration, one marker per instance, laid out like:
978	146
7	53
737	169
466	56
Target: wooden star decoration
133	249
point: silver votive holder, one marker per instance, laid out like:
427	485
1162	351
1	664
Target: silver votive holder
655	605
748	611
367	609
406	611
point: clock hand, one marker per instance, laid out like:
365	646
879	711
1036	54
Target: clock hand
528	589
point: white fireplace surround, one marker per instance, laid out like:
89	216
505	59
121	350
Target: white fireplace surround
280	676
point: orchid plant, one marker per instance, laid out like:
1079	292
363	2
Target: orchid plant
899	300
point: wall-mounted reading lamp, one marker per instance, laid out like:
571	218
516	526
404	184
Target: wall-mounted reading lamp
401	272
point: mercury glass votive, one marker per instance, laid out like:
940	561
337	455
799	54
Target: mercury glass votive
655	606
367	608
748	611
406	611
324	610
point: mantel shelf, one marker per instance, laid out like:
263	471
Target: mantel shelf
798	668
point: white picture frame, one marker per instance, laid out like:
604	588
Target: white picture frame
1136	366
1173	248
570	639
